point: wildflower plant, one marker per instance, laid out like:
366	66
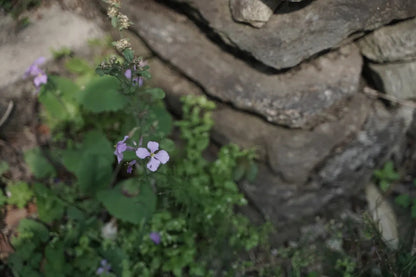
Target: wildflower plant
114	196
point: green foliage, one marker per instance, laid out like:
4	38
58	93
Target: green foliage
386	176
20	194
59	100
38	164
102	94
130	208
90	162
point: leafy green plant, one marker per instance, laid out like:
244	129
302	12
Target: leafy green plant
386	175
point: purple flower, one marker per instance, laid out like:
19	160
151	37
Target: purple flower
104	268
155	158
155	237
130	167
127	74
120	148
35	71
137	80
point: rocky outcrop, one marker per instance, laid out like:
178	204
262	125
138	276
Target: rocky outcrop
289	38
394	43
392	54
301	97
318	137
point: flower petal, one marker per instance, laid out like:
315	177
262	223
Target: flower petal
155	237
142	153
127	74
153	146
162	156
153	164
39	61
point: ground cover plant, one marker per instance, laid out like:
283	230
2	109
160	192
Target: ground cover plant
114	194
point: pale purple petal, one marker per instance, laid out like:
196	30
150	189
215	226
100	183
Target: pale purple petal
140	81
127	73
40	79
153	164
153	146
142	153
120	148
162	156
155	237
130	167
40	60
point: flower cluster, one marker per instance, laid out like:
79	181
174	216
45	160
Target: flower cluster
105	267
39	75
152	153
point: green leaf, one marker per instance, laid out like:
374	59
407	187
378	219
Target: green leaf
128	54
252	172
131	209
59	102
55	264
403	200
78	66
49	206
91	163
38	164
384	185
102	94
33	230
413	211
156	93
20	194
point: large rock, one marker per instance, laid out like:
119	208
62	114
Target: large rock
253	12
395	43
50	29
288	39
344	173
301	97
395	79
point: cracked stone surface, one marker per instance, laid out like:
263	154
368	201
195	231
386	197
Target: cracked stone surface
289	38
301	97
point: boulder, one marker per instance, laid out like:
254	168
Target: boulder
289	38
395	79
394	43
253	12
299	98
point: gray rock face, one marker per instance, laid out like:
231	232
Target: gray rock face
395	43
290	38
291	154
396	79
344	173
253	12
301	97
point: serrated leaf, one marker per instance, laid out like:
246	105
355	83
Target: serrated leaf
129	209
91	163
128	54
49	206
20	194
403	200
38	164
59	102
102	94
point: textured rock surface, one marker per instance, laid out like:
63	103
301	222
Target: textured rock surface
396	79
395	43
289	38
253	12
343	174
50	28
301	97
